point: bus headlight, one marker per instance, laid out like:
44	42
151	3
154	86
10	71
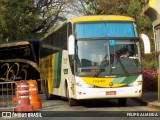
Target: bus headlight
136	83
84	85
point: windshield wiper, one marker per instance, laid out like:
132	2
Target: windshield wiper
122	65
102	66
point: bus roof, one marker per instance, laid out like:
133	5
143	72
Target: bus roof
101	18
91	18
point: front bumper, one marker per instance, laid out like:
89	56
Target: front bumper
102	93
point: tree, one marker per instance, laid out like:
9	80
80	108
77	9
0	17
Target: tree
118	7
24	19
84	7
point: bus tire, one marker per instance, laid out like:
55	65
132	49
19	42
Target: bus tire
122	101
72	102
48	96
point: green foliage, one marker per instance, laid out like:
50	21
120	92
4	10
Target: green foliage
17	20
153	65
149	61
25	19
135	10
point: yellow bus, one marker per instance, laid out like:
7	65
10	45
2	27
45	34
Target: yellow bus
92	57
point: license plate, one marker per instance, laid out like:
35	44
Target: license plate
111	93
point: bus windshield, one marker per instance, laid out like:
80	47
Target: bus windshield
100	58
107	49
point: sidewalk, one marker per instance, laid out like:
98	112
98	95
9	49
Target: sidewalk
150	99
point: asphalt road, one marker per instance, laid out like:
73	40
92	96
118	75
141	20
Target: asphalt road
59	109
94	105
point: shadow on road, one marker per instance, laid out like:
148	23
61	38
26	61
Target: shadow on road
109	103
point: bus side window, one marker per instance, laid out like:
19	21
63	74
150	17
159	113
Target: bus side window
63	34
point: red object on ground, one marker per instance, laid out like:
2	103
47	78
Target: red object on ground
23	97
33	95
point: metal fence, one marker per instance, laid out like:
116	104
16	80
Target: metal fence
7	93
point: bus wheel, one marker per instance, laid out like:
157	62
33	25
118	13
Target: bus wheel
72	102
122	101
48	96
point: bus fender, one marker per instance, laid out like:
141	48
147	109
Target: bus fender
67	85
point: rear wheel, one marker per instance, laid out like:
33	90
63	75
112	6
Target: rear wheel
72	102
122	101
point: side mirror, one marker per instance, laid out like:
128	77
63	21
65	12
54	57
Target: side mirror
71	45
146	42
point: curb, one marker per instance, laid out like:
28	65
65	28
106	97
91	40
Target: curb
155	104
